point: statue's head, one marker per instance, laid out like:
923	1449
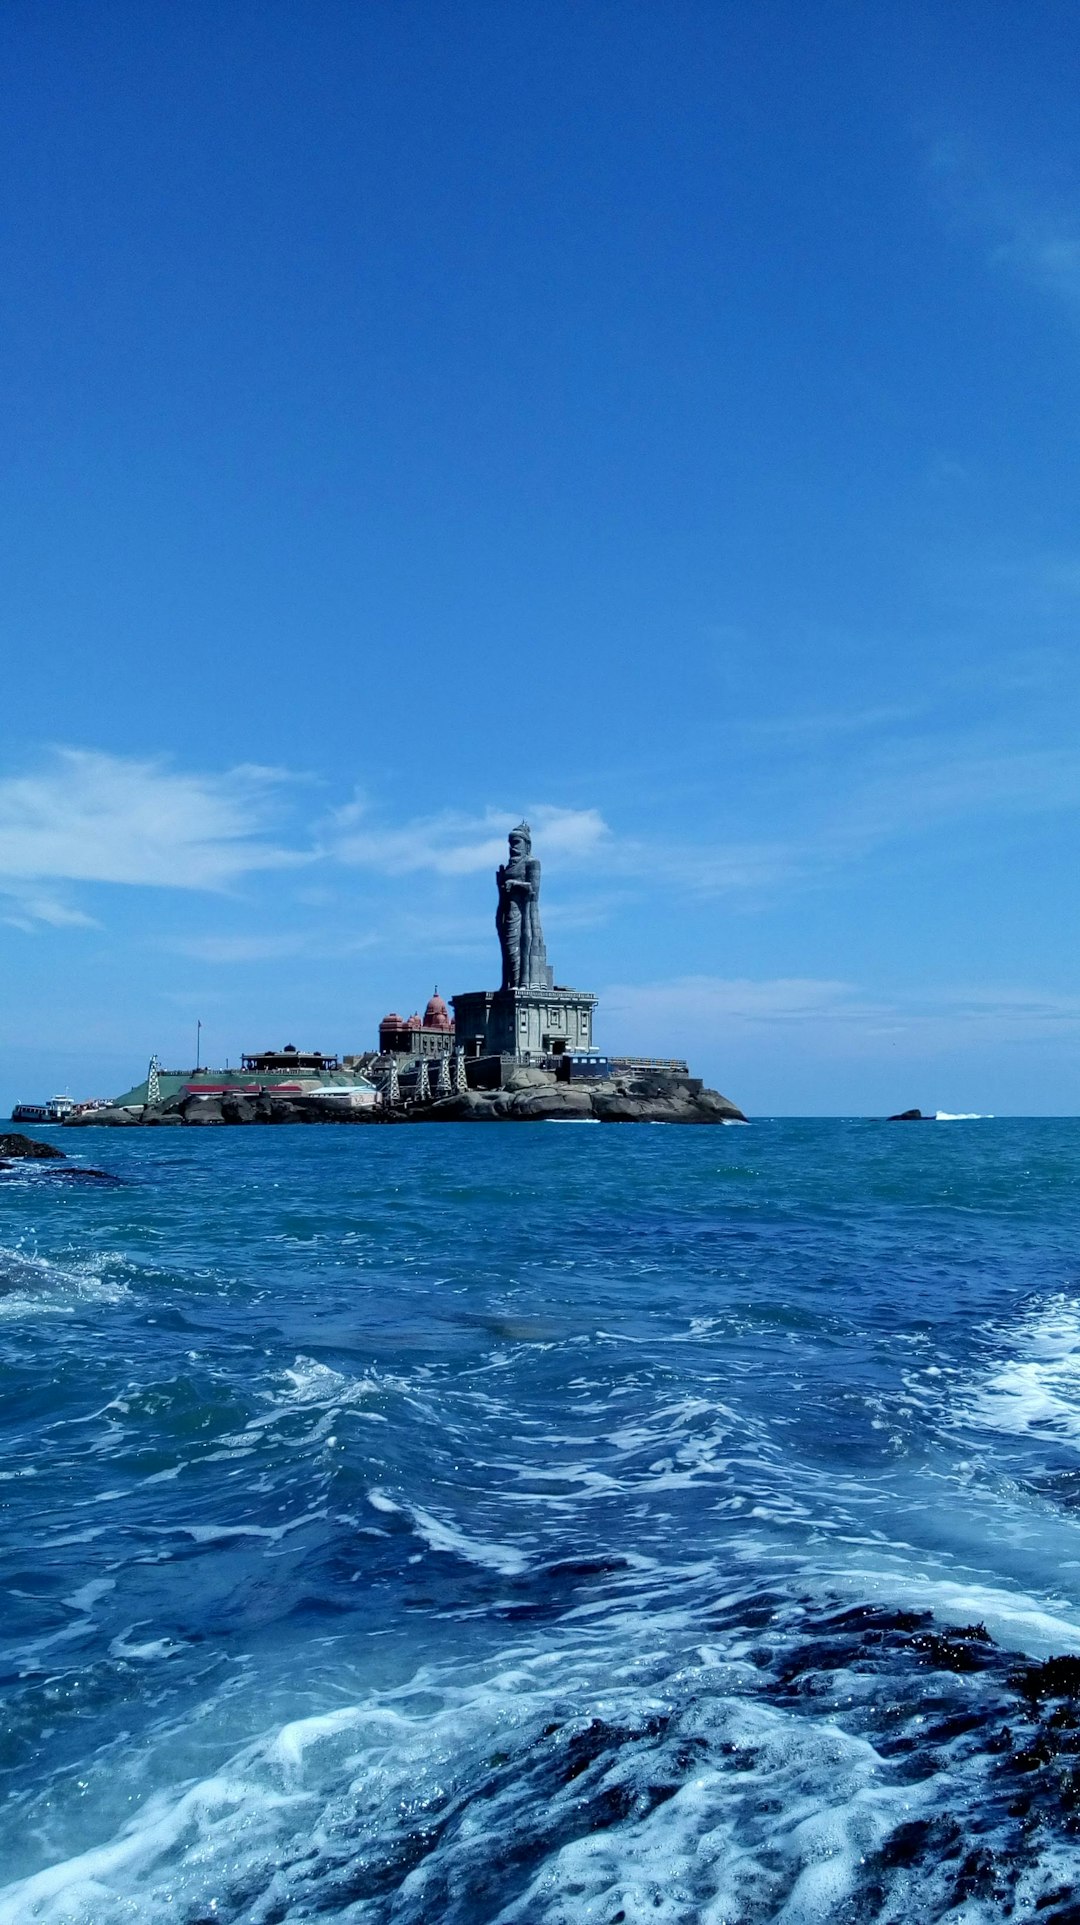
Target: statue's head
520	842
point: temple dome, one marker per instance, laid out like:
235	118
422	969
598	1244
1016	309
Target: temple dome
436	1015
414	1022
393	1021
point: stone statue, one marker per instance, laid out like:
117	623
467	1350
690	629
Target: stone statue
517	917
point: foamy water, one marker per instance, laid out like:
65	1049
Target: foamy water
512	1526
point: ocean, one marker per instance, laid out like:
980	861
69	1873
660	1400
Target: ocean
551	1525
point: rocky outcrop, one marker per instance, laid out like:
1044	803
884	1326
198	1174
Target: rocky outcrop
659	1099
16	1145
527	1096
211	1112
111	1115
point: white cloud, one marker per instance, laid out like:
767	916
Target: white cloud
90	817
456	844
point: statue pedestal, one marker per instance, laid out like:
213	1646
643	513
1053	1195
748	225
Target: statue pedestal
524	1022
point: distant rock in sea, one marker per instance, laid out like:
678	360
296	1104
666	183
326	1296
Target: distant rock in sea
17	1145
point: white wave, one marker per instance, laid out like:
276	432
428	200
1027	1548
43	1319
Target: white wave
223	1533
1014	1619
84	1890
1036	1391
380	1502
441	1536
311	1389
775	1817
963	1116
446	1537
84	1599
34	1285
121	1647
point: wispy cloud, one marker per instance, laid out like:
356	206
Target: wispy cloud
1031	233
845	789
87	817
818	725
932	781
30	909
254	946
456	844
693	1000
826	1015
906	789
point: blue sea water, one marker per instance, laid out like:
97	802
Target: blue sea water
550	1525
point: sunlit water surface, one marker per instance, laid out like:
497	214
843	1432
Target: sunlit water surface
539	1525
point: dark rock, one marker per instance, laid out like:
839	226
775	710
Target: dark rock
116	1117
909	1116
16	1144
660	1099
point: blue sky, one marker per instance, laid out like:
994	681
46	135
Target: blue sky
660	420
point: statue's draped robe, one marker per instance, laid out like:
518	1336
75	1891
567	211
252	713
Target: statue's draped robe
517	919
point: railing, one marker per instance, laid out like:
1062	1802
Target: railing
674	1063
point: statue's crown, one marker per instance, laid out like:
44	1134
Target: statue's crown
523	829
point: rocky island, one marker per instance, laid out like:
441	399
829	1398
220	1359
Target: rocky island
522	1053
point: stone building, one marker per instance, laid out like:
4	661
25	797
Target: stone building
524	1022
429	1035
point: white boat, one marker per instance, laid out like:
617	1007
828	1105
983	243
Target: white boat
54	1111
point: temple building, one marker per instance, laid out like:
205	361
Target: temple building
429	1035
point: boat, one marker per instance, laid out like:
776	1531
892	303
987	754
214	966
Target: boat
52	1111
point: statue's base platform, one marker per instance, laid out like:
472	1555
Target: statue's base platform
523	1023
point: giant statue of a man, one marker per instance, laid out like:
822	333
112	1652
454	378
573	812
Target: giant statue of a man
517	917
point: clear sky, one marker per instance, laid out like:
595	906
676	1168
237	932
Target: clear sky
658	419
